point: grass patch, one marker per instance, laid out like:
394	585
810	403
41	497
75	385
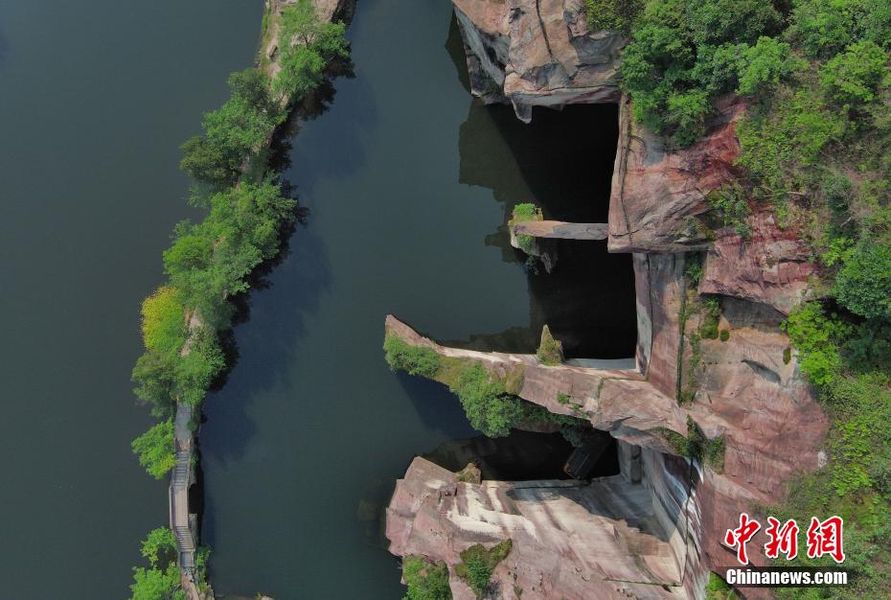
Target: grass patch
478	563
550	350
425	580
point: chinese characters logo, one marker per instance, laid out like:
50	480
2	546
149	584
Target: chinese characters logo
823	538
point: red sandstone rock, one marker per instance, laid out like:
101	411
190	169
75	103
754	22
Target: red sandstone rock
537	53
770	266
657	194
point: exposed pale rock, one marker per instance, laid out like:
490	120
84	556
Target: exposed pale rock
560	230
537	53
657	193
570	539
771	265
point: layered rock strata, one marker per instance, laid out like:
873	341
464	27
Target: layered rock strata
537	53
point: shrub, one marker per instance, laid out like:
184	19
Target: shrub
415	360
724	335
154	448
731	207
489	408
612	15
718	589
477	564
425	580
814	335
550	350
711	315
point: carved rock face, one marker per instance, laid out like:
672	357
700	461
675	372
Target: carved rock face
537	53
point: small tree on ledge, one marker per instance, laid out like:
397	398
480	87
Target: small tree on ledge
550	350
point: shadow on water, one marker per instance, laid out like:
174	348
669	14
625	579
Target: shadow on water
562	161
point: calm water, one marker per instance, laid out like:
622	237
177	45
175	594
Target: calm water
95	98
409	184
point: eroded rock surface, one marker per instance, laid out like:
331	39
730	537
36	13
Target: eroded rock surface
537	53
771	265
657	194
570	539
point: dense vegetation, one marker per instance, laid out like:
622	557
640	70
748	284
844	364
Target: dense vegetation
815	150
160	580
209	263
425	580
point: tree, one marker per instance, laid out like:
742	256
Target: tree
159	546
764	65
863	285
154	448
854	76
308	45
163	324
742	21
156	584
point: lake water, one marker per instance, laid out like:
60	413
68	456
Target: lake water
409	183
95	98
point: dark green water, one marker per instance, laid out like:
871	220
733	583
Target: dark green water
409	184
95	98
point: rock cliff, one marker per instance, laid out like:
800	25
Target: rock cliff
657	193
537	53
741	393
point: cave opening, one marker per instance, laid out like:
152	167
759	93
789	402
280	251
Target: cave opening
563	163
531	456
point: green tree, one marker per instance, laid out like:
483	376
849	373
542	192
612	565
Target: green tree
854	76
159	546
764	65
163	321
863	284
823	28
154	448
156	584
742	21
308	46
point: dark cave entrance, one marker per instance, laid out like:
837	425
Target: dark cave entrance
563	163
531	456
